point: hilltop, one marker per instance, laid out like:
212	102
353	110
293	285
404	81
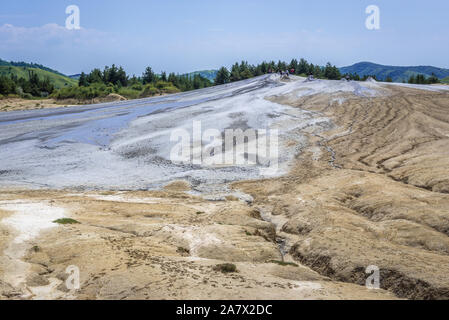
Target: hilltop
397	73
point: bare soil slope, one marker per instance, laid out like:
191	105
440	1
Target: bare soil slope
378	194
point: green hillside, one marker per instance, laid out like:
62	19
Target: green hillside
28	65
445	80
57	79
398	74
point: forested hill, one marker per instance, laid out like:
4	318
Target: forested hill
23	69
28	65
398	74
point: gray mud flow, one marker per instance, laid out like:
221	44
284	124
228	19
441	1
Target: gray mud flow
121	145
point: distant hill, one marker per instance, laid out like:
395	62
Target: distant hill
208	74
398	74
28	65
20	69
75	76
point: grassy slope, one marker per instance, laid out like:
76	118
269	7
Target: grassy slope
59	81
445	80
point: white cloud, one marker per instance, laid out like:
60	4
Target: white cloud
73	51
54	45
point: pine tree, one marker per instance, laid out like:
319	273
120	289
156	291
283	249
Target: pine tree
282	66
264	68
46	86
235	73
433	79
303	67
222	76
121	77
148	76
7	85
420	79
95	76
163	76
246	74
82	82
311	70
317	71
173	79
331	72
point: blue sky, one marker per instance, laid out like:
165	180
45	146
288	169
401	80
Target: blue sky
183	36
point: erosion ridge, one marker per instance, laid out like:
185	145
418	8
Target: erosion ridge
386	204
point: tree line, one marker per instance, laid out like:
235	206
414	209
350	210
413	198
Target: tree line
244	70
421	79
117	76
26	88
100	83
418	79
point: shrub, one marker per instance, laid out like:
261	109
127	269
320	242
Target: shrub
129	93
226	268
283	263
19	90
66	221
183	251
96	90
170	89
162	84
137	86
27	96
148	91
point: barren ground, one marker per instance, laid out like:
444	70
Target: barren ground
371	190
18	104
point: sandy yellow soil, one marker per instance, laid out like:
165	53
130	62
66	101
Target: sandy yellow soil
373	191
16	104
160	245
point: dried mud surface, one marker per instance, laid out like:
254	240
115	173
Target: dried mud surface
373	190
